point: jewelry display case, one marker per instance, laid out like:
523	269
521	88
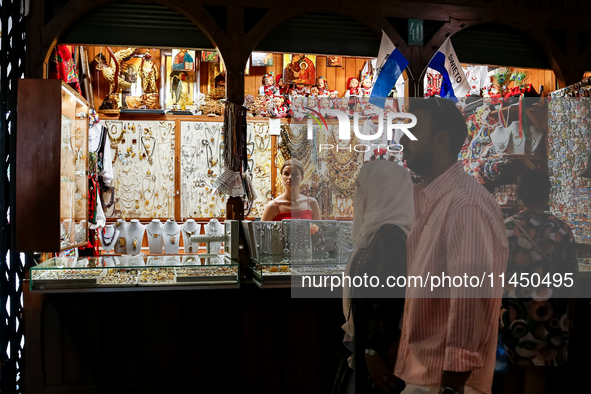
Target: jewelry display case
287	271
52	161
134	270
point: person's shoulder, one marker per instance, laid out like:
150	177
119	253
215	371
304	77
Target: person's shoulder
312	201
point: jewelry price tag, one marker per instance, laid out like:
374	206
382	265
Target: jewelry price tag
274	126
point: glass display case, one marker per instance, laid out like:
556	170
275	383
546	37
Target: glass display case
285	270
52	162
134	270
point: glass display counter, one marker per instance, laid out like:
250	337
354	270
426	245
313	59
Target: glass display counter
284	271
134	271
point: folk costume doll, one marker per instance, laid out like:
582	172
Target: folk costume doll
314	91
366	83
312	102
322	87
300	90
268	89
297	109
283	88
352	87
280	110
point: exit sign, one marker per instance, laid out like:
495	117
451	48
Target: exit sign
415	32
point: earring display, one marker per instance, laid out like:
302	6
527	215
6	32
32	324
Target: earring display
156	276
297	237
268	237
325	237
345	236
143	168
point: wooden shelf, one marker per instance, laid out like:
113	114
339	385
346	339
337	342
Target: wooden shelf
511	206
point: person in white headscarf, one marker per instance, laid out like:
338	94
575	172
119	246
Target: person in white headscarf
384	215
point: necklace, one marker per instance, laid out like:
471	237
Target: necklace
150	234
113	131
188	166
189	235
108	241
262	142
172	236
149	150
209	154
112	190
165	134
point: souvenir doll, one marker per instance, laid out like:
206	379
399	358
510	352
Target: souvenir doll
268	88
297	109
312	102
352	87
280	111
299	90
322	87
314	91
333	94
325	104
283	88
345	106
365	89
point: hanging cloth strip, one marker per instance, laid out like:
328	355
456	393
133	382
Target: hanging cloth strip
235	154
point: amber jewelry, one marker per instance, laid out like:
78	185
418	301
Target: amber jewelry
135	243
172	236
342	210
149	150
113	132
189	235
121	241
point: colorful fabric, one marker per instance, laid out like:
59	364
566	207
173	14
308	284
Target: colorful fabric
459	231
533	325
62	66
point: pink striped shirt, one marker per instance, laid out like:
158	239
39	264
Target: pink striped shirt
458	230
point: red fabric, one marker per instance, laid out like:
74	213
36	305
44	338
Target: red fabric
306	214
62	66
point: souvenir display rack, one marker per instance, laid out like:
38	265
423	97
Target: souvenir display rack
53	128
496	170
570	146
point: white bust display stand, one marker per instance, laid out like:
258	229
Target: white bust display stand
111	261
155	261
214	228
120	246
171	236
171	260
154	232
134	236
109	237
189	229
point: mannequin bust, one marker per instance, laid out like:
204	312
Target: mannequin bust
214	228
154	230
190	228
155	261
134	236
170	235
120	246
109	237
191	260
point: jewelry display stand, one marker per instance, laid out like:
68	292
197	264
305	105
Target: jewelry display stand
136	261
170	233
191	260
134	236
297	238
345	233
214	228
120	247
325	241
154	230
189	229
109	237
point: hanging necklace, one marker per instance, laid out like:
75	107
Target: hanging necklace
112	190
172	236
108	241
189	153
150	234
262	143
209	154
165	134
149	149
189	235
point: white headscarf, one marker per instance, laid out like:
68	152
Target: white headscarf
384	195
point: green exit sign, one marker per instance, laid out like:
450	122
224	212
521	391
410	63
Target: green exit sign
415	32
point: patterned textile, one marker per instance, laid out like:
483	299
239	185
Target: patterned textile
62	66
535	327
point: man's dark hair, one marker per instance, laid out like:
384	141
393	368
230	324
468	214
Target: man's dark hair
534	188
445	116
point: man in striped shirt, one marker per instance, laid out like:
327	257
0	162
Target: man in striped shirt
448	341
